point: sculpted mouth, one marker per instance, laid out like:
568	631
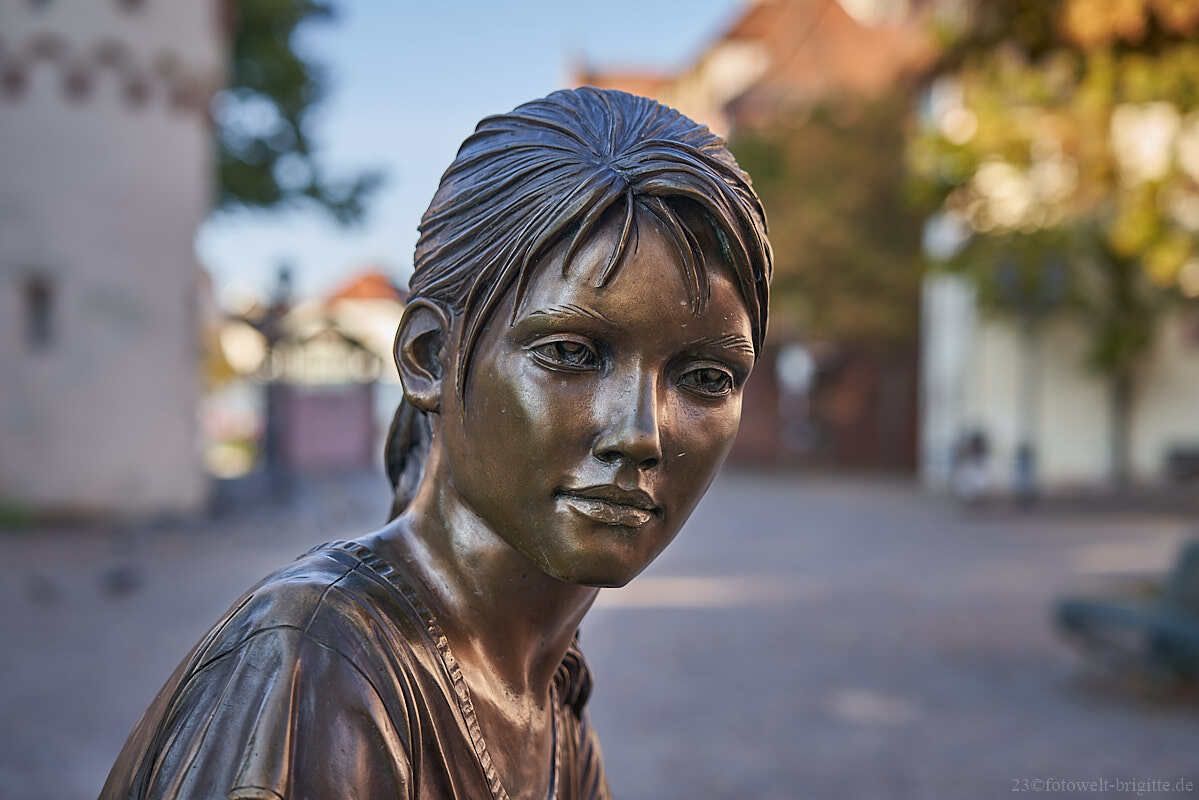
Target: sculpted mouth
611	505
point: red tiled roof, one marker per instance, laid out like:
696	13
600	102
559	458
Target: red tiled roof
812	47
371	284
755	22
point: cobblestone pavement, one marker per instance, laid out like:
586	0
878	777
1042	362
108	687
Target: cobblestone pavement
804	638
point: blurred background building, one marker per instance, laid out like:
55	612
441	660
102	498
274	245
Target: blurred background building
1032	390
307	383
778	56
106	160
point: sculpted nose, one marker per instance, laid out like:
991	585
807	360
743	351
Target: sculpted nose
632	432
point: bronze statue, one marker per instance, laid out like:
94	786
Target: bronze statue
589	296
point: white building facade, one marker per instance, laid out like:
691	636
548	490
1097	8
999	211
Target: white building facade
106	171
981	374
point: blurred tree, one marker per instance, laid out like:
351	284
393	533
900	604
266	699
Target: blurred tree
846	241
1065	134
265	155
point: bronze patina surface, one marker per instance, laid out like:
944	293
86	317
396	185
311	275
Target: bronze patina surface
589	297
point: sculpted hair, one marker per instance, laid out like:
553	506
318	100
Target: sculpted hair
550	172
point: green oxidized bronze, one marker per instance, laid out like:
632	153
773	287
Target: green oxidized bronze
589	297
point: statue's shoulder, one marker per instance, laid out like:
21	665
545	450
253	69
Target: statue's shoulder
331	595
285	680
289	595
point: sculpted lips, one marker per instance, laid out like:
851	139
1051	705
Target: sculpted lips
611	505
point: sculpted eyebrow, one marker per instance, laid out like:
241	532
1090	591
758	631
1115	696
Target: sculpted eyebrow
730	341
569	310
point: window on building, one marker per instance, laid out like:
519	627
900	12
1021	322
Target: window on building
39	312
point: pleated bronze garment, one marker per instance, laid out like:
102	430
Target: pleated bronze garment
332	679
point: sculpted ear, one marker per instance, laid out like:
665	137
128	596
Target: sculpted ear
420	353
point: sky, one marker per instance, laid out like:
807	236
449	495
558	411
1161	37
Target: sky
409	80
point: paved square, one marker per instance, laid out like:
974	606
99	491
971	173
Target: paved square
803	638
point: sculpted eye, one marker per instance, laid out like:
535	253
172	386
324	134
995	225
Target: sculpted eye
707	381
566	354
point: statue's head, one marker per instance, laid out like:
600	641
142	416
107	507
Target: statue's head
589	297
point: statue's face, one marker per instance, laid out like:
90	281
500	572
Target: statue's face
593	425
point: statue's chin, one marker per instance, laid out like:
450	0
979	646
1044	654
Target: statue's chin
599	576
606	584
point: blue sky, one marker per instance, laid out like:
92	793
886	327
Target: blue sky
409	81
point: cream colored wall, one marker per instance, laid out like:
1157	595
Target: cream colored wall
1167	408
946	336
1073	436
1069	417
105	200
973	369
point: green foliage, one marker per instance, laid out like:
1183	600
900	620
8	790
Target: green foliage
846	240
1067	132
265	156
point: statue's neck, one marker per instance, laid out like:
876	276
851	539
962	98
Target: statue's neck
504	617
